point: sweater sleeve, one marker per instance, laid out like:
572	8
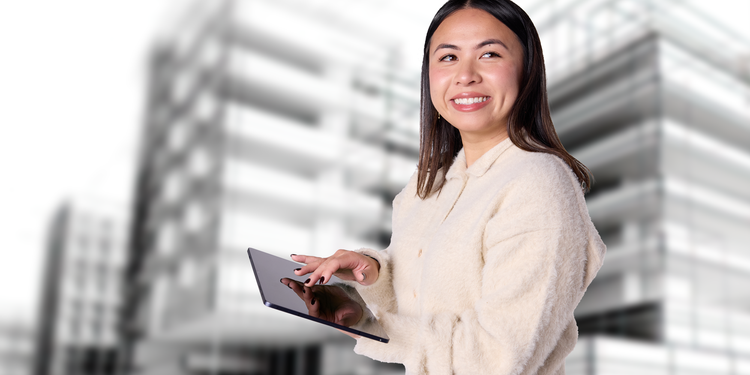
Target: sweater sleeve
539	251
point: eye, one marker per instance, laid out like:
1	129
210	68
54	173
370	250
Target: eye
448	58
490	54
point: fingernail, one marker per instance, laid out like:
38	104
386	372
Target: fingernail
293	255
307	281
364	276
297	269
322	280
313	301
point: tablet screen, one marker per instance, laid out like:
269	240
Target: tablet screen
269	272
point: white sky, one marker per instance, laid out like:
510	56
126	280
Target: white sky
71	86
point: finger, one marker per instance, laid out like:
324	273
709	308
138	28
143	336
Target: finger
313	304
305	269
286	281
290	283
298	289
323	273
308	293
305	258
312	263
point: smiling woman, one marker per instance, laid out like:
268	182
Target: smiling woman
507	57
492	245
474	77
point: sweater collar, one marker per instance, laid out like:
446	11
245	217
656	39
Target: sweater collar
458	168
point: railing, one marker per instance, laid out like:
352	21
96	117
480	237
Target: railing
576	32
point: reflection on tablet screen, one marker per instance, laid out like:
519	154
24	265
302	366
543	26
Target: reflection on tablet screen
335	304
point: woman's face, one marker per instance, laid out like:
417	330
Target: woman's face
475	66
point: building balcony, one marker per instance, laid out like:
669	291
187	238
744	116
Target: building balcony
305	150
673	197
628	202
280	142
322	45
629	154
668	147
258	189
604	109
260	80
240	230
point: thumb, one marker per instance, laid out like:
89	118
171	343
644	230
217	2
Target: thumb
362	277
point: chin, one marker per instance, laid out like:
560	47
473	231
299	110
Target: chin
473	127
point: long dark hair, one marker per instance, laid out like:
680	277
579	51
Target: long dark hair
529	123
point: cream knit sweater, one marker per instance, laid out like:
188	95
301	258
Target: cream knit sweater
483	277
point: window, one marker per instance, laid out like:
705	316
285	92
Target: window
174	186
199	163
195	217
167	238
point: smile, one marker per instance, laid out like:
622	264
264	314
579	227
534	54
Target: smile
466	101
470	104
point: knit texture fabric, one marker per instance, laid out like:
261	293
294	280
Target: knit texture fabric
483	277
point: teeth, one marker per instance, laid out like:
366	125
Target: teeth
466	101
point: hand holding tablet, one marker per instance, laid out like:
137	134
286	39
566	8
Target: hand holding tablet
344	264
334	304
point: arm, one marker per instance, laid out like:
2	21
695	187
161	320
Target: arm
536	248
531	285
352	268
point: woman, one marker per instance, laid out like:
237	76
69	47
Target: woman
491	253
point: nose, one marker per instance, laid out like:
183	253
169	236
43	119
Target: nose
467	74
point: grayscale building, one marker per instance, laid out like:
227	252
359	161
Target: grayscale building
654	97
286	139
78	318
257	134
17	337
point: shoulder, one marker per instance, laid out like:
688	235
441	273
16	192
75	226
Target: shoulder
408	192
538	172
410	189
540	187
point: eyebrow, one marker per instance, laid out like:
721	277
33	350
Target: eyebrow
478	46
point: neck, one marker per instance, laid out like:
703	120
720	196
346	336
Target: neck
475	147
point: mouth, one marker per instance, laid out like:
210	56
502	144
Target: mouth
467	101
472	103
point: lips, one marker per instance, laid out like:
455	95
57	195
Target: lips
470	101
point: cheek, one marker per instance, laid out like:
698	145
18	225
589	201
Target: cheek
437	87
507	79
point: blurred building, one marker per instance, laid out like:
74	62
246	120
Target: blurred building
81	291
282	125
257	134
16	346
654	97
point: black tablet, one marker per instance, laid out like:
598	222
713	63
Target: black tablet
270	271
